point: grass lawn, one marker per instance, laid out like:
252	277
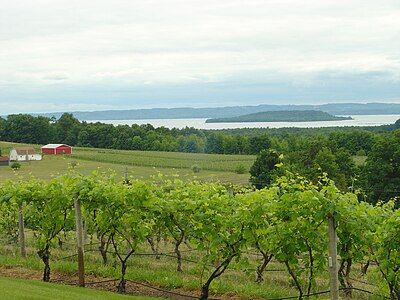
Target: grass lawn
140	164
30	289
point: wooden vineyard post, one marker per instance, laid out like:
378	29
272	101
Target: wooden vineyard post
332	259
21	231
79	241
126	175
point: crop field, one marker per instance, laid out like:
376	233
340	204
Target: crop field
214	162
139	164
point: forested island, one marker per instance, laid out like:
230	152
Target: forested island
282	116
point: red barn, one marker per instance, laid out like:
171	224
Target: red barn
54	149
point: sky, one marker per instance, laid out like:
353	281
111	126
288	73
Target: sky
66	55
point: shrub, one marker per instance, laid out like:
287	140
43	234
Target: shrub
240	169
15	166
73	164
196	168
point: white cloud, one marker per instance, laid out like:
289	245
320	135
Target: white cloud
71	43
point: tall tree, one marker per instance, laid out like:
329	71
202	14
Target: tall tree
265	169
67	129
382	169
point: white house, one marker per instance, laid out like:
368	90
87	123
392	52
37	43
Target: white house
24	154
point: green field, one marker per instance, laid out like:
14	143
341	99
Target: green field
16	289
213	162
140	164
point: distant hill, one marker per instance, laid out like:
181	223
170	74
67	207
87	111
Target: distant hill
346	109
282	116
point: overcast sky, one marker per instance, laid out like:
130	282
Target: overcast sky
58	55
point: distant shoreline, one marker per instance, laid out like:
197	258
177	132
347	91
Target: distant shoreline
337	109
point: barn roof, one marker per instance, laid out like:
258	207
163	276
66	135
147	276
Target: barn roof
25	150
4	158
54	146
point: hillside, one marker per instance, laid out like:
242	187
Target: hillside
281	116
230	111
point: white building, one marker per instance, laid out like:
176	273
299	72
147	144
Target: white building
24	154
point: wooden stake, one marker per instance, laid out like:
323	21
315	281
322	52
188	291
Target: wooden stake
332	259
21	231
79	241
126	175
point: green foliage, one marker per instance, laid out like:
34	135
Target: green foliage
315	157
361	152
26	128
382	169
73	164
353	141
8	222
196	168
286	221
67	129
265	169
386	251
240	169
15	166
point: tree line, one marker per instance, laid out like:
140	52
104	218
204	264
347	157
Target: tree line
24	128
309	152
376	178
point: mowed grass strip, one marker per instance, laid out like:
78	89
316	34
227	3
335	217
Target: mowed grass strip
20	289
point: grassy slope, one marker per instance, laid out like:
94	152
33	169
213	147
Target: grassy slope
141	164
29	289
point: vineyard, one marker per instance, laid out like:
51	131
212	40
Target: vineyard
213	162
202	240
